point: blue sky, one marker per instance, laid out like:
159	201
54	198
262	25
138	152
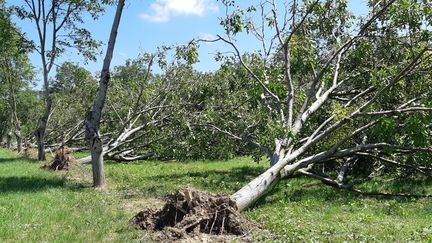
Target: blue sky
147	24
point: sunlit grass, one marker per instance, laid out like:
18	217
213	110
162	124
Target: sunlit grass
43	206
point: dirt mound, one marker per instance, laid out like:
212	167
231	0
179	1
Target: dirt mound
189	212
61	161
29	151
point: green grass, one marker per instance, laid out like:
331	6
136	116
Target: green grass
43	206
319	213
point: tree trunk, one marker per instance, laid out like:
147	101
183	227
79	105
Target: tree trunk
19	140
250	193
16	121
9	141
40	132
97	163
255	189
93	118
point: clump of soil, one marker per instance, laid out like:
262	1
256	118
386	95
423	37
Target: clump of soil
29	150
189	212
61	161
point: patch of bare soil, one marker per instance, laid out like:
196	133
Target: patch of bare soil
190	214
62	160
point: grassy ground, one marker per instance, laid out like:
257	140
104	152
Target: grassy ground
42	206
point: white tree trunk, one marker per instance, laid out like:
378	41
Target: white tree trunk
255	189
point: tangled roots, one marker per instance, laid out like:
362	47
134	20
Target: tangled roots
61	161
190	212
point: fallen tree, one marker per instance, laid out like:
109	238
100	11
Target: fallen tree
327	88
131	117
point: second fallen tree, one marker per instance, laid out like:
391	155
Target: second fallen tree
331	95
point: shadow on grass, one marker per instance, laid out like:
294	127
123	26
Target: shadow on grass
28	184
211	180
232	176
33	184
15	159
298	190
237	174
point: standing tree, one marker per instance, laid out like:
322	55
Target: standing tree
57	25
335	86
94	116
15	67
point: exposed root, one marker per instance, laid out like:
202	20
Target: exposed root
189	212
61	161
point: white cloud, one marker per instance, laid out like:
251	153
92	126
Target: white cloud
164	10
123	54
207	37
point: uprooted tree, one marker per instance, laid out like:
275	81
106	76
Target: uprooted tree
335	87
152	115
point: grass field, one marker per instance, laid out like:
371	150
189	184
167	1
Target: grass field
43	206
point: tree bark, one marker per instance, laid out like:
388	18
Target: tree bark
93	118
343	171
40	132
249	194
9	141
16	121
19	140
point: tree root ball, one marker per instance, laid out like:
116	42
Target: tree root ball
61	161
189	212
29	151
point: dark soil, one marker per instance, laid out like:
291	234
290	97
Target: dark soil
189	212
62	160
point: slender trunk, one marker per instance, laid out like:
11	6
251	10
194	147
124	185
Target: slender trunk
97	163
19	140
40	132
9	141
16	121
93	118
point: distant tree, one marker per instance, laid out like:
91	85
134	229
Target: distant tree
16	69
57	25
69	77
73	90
